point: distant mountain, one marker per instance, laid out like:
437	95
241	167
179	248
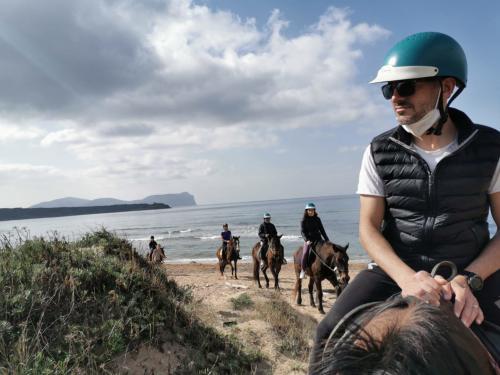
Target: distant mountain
173	200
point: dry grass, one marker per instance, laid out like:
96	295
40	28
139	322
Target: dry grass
243	301
292	330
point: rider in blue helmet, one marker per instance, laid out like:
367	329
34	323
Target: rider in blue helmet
426	188
312	232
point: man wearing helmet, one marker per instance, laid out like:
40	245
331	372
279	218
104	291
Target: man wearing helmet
266	230
426	188
225	236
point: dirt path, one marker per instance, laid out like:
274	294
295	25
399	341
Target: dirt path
214	294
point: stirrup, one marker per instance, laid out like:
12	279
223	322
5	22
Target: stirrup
302	275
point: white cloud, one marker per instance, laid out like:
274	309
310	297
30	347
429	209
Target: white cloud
62	136
10	133
170	81
13	170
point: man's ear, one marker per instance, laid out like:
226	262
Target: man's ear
448	84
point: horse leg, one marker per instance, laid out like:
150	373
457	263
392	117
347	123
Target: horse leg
311	290
256	276
235	269
298	290
275	275
224	264
221	269
319	292
265	276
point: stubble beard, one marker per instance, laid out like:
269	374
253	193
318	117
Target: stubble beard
412	116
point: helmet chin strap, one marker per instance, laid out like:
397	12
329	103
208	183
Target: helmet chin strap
436	129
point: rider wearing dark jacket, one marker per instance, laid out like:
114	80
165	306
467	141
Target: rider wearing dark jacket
226	236
312	229
312	232
266	230
152	246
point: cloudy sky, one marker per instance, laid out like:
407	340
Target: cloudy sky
230	100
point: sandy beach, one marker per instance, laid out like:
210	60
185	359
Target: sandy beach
214	294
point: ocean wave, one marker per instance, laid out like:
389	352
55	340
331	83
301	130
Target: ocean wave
291	238
141	239
208	237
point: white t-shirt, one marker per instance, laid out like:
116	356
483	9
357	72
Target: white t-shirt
370	182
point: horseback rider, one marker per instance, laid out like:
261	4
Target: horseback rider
312	232
152	246
266	230
226	236
426	188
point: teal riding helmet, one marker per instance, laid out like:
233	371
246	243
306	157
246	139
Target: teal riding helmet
310	206
267	215
421	55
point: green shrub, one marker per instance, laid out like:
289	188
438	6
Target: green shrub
73	307
243	301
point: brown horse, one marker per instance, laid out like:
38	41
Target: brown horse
329	259
406	336
157	255
232	255
273	260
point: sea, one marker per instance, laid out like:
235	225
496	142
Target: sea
192	234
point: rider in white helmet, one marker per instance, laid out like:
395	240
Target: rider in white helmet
312	232
266	230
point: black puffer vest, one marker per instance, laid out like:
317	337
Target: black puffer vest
441	215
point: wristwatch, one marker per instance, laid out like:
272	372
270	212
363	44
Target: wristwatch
475	282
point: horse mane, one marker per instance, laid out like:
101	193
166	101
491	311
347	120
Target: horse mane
421	340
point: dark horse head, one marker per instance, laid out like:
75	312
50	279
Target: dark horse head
341	261
236	245
275	245
403	336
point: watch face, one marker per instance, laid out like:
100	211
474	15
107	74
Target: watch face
475	283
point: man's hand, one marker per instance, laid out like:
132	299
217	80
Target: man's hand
308	242
423	286
466	306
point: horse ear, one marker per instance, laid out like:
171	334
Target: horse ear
280	236
346	246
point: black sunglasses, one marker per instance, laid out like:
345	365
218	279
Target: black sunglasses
404	88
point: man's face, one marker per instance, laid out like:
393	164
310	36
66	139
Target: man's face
410	109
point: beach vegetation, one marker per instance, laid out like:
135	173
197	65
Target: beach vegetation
73	307
241	302
292	330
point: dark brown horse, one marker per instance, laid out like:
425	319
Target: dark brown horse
330	262
273	260
404	336
232	255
